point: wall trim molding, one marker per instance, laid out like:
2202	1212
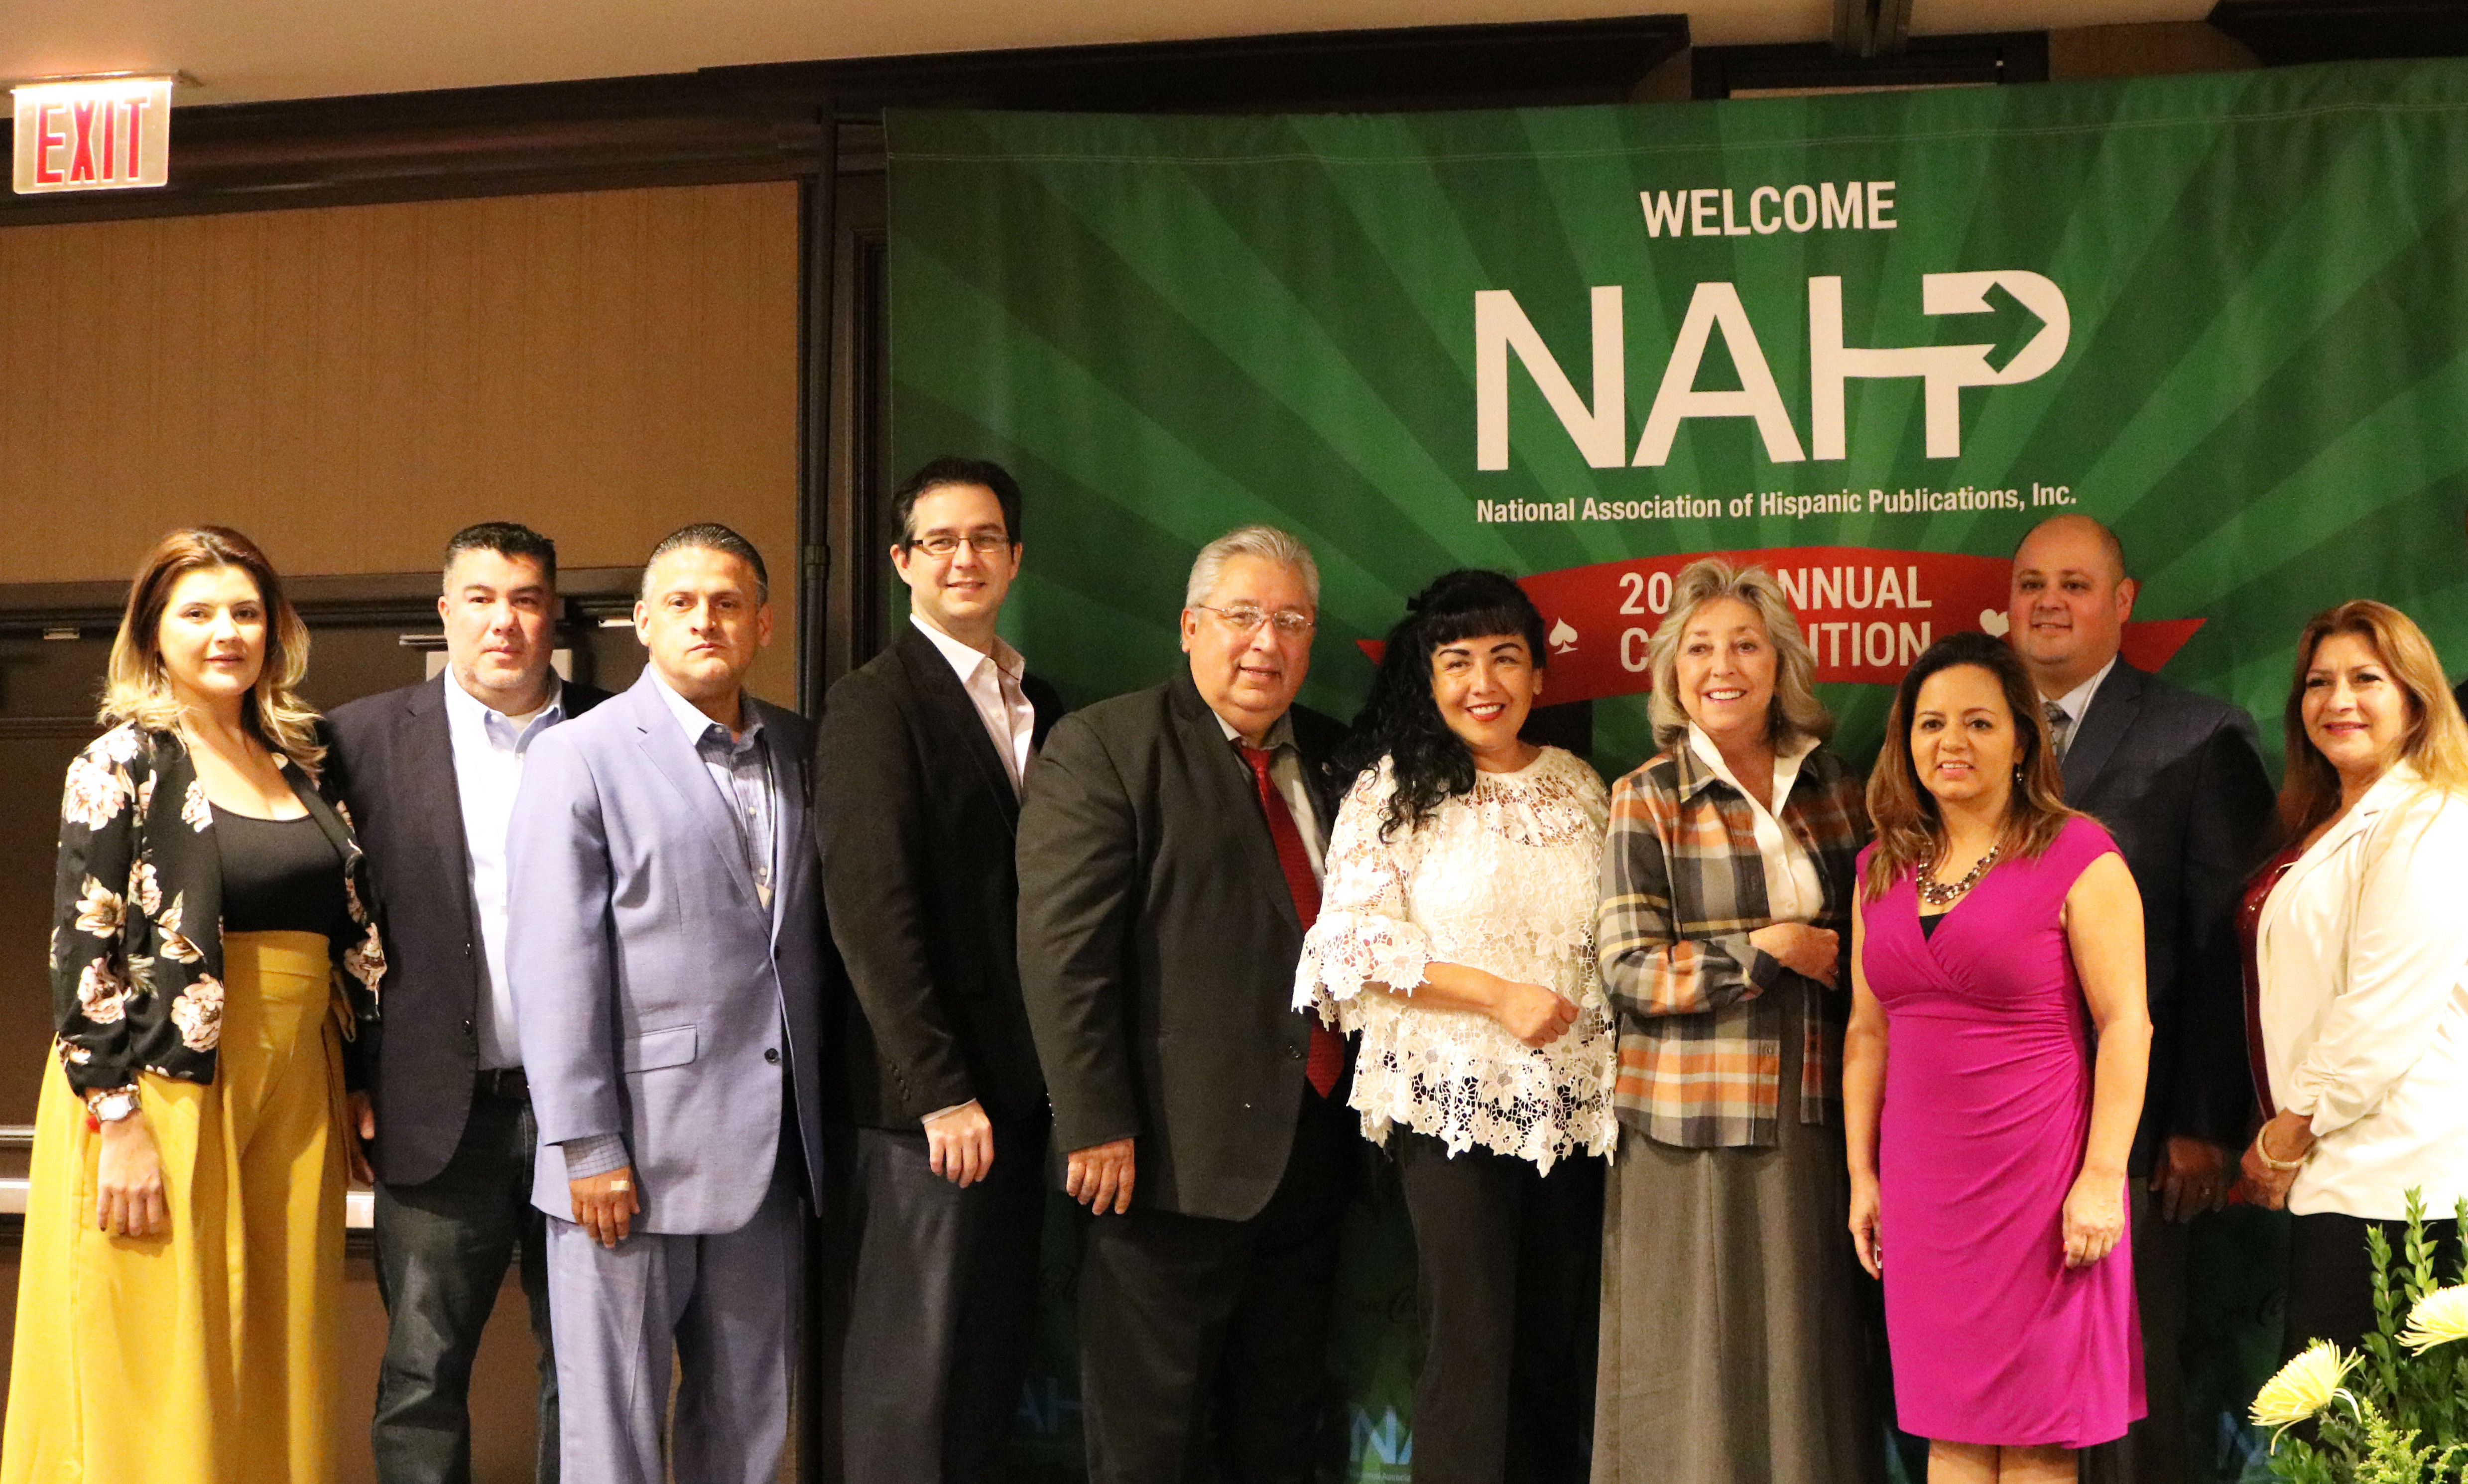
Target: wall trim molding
1718	72
770	122
591	596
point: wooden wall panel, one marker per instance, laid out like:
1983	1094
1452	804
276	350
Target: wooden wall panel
350	384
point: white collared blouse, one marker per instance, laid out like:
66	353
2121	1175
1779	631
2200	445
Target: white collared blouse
2363	958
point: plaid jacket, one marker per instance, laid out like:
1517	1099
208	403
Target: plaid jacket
1700	1033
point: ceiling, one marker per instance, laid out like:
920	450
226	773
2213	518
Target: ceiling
242	51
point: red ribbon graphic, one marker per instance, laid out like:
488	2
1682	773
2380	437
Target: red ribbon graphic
1866	613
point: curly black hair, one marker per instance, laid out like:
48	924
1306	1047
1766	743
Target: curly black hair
1401	722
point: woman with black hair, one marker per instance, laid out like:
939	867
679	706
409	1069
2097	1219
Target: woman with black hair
1455	934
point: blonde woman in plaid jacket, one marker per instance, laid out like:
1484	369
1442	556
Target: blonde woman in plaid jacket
1733	1339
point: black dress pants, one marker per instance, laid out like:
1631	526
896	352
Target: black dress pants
1508	1276
2157	1448
942	1308
1204	1343
2331	1276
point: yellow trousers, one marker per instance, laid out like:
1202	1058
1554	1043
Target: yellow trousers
204	1356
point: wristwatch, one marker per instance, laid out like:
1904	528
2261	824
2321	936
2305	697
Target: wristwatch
112	1108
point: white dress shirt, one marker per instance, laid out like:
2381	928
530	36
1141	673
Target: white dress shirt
2362	952
1795	890
2076	704
488	747
993	682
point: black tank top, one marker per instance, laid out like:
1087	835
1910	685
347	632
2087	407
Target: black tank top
279	876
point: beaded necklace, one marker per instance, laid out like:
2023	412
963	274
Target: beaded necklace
1937	895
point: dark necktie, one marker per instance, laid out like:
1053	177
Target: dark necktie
1327	1051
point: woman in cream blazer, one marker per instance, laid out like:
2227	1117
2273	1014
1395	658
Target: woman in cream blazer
2361	952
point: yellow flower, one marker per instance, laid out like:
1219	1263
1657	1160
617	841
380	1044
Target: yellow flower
2304	1386
2438	1319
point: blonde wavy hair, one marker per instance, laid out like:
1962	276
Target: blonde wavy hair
1796	711
2435	744
137	690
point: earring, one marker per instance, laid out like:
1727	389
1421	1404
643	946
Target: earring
2018	773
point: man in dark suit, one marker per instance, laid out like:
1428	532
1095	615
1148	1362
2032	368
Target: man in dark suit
2177	780
917	768
1168	860
428	772
670	963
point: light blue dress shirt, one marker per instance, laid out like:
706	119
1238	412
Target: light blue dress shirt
740	769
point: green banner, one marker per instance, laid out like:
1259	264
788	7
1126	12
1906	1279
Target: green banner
1871	338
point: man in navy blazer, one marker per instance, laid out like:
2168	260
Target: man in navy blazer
429	773
668	964
2177	780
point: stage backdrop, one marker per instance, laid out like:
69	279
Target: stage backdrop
1870	339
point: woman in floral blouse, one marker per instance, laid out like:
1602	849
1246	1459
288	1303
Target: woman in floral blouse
1453	934
214	986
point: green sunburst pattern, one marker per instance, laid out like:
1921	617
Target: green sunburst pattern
1170	326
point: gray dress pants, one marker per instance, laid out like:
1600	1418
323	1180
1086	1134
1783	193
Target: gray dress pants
728	1302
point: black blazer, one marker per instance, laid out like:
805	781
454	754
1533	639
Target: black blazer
137	945
2177	780
915	815
1157	945
391	760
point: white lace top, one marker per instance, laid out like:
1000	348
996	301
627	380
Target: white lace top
1501	880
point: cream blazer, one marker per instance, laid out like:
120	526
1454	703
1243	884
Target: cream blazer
2363	951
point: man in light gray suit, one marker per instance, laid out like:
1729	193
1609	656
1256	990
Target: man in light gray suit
668	963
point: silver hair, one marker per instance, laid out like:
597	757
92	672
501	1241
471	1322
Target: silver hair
1265	542
1797	710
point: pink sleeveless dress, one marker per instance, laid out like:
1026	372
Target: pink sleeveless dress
1988	1083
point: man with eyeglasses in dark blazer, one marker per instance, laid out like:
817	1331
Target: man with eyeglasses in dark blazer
920	761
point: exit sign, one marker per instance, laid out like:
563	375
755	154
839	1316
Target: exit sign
97	134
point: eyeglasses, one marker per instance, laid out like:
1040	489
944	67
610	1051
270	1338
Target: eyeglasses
985	543
1248	621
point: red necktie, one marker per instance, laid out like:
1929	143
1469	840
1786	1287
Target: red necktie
1327	1051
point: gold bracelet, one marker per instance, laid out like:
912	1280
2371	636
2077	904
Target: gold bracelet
2283	1165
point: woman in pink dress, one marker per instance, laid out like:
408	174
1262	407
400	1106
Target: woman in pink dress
1998	939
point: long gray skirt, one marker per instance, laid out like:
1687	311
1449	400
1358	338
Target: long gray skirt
1735	1321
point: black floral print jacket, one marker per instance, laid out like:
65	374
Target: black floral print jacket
137	951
